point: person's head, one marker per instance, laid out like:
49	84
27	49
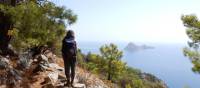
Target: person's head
70	34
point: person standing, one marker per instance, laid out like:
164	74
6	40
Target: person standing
69	53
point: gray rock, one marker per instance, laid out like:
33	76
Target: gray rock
24	61
4	63
14	73
41	63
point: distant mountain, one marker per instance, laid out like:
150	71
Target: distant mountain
131	47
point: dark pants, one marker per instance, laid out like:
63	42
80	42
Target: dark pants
70	64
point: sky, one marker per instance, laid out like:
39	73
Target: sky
154	21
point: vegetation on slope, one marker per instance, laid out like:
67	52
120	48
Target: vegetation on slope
109	66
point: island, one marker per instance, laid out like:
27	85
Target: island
132	47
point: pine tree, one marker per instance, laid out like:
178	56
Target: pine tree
113	57
193	31
35	23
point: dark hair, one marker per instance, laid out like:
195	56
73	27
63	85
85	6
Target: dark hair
70	34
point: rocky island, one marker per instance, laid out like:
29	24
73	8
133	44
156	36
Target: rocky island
132	47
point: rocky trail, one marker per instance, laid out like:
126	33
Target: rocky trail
43	71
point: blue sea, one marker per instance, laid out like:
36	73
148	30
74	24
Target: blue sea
166	62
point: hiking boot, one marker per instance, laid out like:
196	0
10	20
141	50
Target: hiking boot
72	85
67	84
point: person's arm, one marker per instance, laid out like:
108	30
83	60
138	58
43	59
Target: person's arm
63	45
76	48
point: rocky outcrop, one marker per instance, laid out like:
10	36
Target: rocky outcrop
131	47
45	70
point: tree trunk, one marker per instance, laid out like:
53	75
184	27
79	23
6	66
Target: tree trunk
5	26
13	2
109	70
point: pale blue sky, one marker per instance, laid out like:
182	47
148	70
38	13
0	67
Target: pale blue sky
131	20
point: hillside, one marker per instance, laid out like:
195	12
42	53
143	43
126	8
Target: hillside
45	70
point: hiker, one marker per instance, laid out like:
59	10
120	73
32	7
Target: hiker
69	51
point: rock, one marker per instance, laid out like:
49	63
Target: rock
3	86
48	86
41	63
51	57
48	75
44	58
14	73
51	80
38	68
53	76
55	66
51	60
61	76
4	63
44	61
78	85
24	61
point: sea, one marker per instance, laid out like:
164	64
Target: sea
165	61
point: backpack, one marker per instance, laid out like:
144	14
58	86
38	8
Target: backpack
69	47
